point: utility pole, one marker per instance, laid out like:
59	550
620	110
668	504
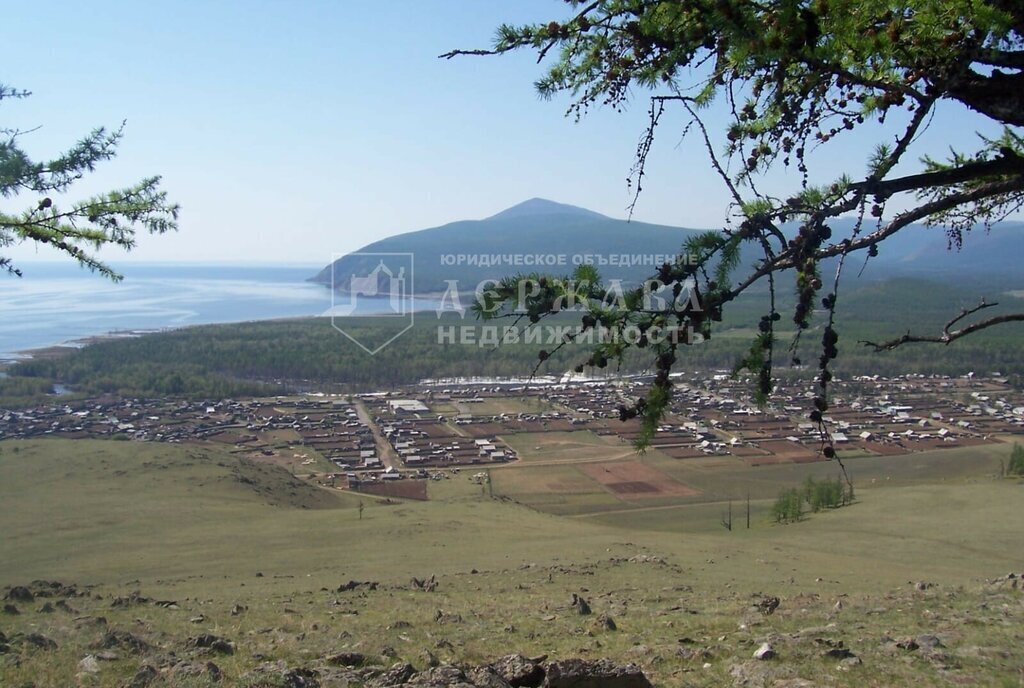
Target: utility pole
748	509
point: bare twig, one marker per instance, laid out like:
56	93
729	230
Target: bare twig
949	335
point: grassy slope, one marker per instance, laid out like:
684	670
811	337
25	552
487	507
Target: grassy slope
177	523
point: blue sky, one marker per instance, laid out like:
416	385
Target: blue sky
291	131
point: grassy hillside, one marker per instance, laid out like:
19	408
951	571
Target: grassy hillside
250	554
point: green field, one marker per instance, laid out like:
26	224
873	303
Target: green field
210	531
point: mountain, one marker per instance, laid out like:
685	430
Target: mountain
536	235
545	236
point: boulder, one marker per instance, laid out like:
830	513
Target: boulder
765	652
41	641
19	593
349	659
213	643
121	639
519	671
587	673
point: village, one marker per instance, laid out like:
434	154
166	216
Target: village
391	443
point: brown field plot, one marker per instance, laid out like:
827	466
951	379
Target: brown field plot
635	480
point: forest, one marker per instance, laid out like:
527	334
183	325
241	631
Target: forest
274	357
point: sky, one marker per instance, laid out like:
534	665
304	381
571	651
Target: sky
293	131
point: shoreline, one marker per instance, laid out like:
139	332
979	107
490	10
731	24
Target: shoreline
69	346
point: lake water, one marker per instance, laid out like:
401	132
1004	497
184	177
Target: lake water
60	303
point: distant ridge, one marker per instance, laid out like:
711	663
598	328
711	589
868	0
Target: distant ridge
462	251
538	227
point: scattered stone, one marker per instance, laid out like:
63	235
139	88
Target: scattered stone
765	652
430	659
586	673
850	662
122	639
486	677
767	605
353	585
212	642
65	607
908	644
581	606
19	593
197	619
47	608
929	642
143	677
349	659
606	623
238	609
397	675
89	665
130	600
193	670
11	609
921	586
838	653
41	641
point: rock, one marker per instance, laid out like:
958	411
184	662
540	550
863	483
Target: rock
349	659
11	609
123	640
581	606
89	665
765	652
65	607
486	677
397	675
353	585
300	677
238	609
214	672
19	593
440	677
850	662
921	586
41	641
586	673
430	659
197	619
767	605
606	623
929	642
188	670
838	653
47	608
107	656
212	642
519	671
142	678
129	601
